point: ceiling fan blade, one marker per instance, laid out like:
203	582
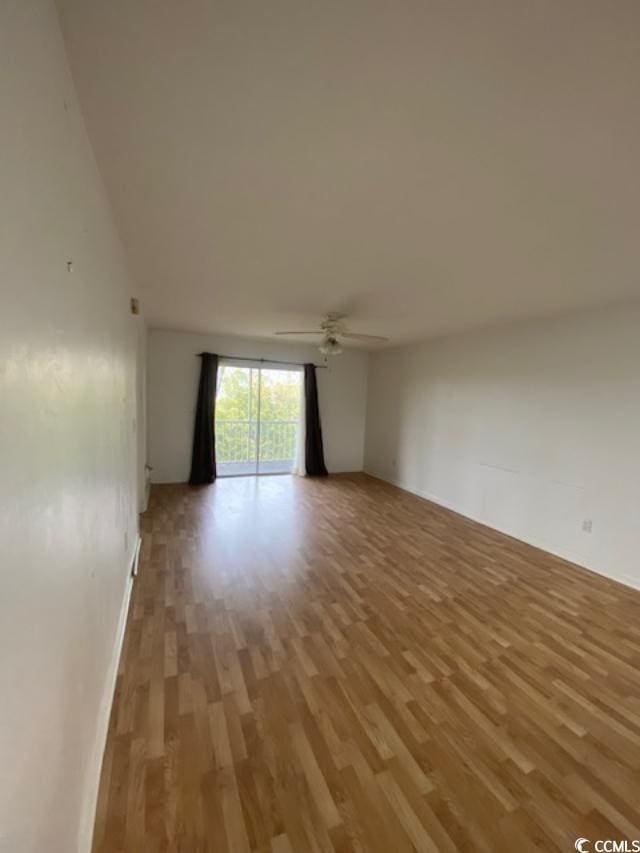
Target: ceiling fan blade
305	332
356	337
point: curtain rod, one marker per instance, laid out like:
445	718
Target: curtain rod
267	360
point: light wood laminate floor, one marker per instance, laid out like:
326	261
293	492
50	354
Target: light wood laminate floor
319	665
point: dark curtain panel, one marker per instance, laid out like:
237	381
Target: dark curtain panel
313	451
203	457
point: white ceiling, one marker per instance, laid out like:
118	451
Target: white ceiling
422	165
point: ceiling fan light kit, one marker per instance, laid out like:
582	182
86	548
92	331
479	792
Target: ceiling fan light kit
330	346
332	329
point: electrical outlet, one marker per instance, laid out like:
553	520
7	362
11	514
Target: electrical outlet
587	525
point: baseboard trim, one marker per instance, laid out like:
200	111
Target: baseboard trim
625	580
85	839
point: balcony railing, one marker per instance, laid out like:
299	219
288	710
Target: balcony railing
236	442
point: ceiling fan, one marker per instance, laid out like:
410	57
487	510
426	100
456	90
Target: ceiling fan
332	329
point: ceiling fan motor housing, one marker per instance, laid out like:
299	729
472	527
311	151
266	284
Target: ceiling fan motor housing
332	325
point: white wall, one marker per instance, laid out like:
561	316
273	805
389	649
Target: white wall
68	524
530	428
141	418
173	372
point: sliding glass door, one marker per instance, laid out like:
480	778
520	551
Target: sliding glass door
257	420
236	421
278	420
